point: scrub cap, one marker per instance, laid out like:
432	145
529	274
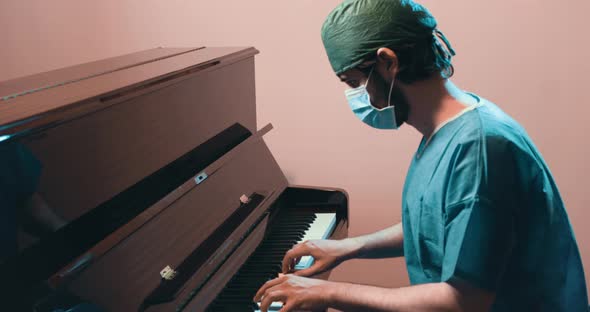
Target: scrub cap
355	29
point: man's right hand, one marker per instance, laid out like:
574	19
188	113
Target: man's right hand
326	253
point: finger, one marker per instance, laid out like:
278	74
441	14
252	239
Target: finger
297	251
266	286
293	264
287	262
287	307
270	297
314	269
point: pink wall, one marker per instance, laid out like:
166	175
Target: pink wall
530	57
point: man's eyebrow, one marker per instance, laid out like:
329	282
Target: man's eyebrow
366	64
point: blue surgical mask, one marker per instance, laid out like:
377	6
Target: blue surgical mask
360	103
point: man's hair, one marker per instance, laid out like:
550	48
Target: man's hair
355	29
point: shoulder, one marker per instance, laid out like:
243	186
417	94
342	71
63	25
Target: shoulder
489	131
492	152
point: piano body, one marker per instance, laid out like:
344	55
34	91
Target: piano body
170	198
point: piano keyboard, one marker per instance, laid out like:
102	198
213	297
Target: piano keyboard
289	228
321	228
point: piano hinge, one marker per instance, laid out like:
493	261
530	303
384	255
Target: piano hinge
201	177
168	273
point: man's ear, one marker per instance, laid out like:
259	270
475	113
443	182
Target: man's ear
388	57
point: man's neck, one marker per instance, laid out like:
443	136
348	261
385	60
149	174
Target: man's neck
431	102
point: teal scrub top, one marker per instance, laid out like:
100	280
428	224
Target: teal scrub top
480	205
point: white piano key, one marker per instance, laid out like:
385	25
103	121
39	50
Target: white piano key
275	306
320	228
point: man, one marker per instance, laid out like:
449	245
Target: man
483	225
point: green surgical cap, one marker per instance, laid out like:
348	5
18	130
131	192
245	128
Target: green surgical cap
357	28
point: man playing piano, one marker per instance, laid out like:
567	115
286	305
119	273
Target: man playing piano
483	225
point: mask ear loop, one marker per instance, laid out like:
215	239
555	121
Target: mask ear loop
369	77
389	102
390	89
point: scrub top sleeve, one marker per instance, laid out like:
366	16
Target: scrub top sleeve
480	226
478	244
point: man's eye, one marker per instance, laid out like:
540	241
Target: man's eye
353	83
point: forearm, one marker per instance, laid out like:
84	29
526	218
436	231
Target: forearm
387	243
435	297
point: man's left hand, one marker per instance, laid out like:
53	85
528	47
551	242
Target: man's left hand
295	292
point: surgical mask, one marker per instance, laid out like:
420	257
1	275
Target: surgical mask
360	103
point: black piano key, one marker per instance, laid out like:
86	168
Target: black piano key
264	264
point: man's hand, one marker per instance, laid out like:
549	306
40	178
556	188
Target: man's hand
326	253
299	293
295	292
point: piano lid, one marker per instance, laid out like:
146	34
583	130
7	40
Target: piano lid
37	82
43	100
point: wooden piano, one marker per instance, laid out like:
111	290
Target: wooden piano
169	198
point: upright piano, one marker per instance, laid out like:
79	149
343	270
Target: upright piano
142	183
